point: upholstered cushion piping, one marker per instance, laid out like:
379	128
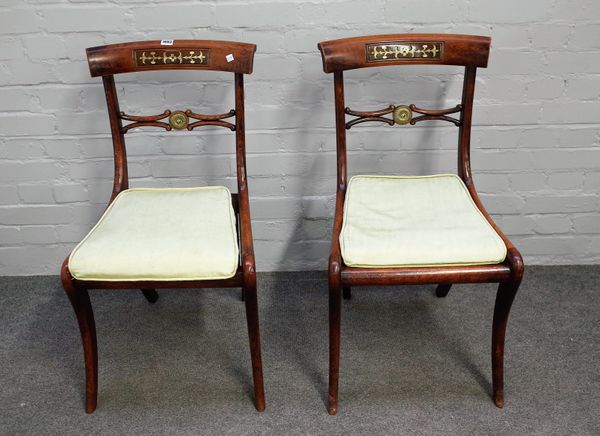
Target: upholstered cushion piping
498	252
230	217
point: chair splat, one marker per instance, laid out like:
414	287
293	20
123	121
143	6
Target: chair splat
403	114
178	120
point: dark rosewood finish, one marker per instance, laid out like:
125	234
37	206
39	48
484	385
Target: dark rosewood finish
352	53
80	300
151	295
442	290
154	120
436	114
147	120
234	57
347	292
384	50
427	115
210	120
121	58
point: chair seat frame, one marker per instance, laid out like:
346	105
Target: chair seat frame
106	61
409	49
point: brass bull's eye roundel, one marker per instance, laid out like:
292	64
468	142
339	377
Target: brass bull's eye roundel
402	115
178	120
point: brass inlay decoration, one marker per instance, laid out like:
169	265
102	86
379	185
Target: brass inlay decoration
402	115
404	51
170	58
178	120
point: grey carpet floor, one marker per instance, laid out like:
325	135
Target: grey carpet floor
411	363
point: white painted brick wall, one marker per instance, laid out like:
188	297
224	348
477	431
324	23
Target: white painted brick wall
536	139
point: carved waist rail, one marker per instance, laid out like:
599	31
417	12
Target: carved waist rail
402	114
178	120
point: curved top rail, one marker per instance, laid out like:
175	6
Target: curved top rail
182	54
404	49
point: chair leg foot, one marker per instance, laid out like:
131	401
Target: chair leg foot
80	301
442	290
335	311
249	296
151	295
347	292
504	299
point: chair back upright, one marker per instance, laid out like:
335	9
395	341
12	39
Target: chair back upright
399	50
108	60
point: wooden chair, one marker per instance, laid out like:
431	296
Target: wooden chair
414	230
167	238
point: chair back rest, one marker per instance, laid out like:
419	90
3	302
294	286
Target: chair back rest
234	57
404	49
469	51
108	60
